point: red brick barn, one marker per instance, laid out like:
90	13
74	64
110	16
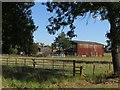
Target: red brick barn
85	48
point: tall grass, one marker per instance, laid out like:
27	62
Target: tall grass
28	77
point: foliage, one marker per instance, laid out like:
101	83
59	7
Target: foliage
67	12
34	48
13	50
17	26
42	44
53	46
107	49
62	42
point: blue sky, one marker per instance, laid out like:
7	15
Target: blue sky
95	30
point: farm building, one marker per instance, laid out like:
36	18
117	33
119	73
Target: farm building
43	51
85	48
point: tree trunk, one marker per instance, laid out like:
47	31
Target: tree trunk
114	45
115	60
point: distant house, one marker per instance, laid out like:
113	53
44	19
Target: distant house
43	51
86	48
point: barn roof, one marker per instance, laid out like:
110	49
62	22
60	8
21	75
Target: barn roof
86	42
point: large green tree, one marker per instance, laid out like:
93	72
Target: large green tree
62	42
67	12
17	26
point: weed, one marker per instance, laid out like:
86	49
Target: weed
53	80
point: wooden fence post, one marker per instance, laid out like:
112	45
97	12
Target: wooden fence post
93	70
33	63
80	70
73	67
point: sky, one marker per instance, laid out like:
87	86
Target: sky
94	31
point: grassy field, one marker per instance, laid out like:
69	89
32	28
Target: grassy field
29	77
39	78
106	57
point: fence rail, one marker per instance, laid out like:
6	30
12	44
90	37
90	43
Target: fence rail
72	66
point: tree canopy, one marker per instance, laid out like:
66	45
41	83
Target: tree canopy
62	42
67	12
17	26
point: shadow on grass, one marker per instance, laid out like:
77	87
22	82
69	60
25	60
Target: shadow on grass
43	78
31	74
